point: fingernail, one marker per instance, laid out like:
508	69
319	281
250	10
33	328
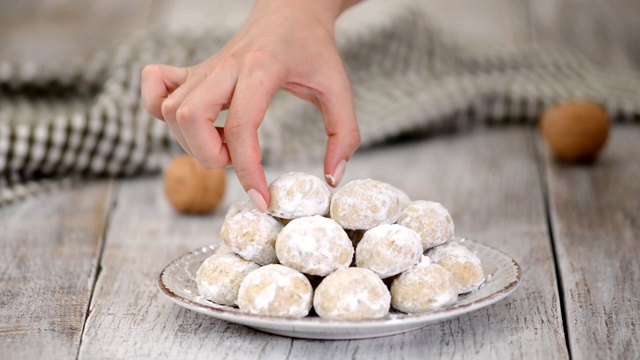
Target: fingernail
257	200
338	173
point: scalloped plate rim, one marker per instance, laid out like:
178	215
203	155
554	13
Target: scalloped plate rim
317	328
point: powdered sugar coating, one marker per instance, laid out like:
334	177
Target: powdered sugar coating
462	263
222	249
403	198
252	235
430	220
424	287
352	294
276	290
297	194
219	277
388	250
238	207
364	204
314	245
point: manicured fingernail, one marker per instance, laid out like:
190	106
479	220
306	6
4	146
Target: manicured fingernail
338	173
257	200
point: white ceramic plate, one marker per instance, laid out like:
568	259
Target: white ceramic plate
177	282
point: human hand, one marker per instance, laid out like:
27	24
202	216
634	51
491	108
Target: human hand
285	44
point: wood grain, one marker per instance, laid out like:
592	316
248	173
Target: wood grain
200	15
473	175
606	32
595	212
50	245
129	317
53	33
49	249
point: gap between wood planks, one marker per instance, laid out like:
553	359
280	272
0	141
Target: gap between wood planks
110	205
535	142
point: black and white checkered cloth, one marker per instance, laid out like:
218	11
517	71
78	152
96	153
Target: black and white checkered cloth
85	120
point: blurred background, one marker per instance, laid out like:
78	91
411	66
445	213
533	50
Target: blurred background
55	31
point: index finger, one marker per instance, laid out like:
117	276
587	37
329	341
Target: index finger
336	105
250	100
157	82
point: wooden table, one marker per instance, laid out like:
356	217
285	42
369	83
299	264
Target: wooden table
79	267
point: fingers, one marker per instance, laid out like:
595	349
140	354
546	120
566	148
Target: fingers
157	82
190	102
163	88
196	114
174	105
341	126
251	98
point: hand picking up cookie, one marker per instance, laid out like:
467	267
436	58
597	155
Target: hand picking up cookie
300	253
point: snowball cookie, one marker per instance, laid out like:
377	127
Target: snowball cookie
222	249
238	207
352	294
297	194
402	196
314	245
276	290
363	204
219	277
430	220
252	235
388	250
464	264
424	287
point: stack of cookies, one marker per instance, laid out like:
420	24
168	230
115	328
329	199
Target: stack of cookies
349	255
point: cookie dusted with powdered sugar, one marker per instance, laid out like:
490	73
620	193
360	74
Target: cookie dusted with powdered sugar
252	235
388	250
276	290
463	264
314	245
430	220
219	277
364	204
296	194
424	287
352	294
403	198
238	207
